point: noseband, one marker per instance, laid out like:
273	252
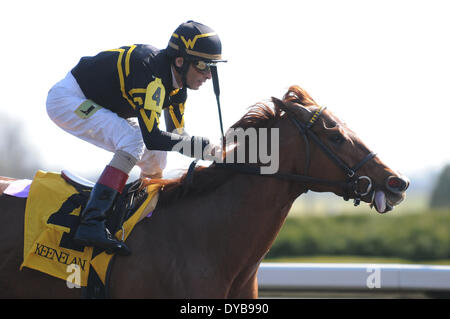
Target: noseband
350	186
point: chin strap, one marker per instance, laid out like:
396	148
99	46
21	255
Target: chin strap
183	70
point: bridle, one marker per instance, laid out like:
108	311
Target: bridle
350	185
353	179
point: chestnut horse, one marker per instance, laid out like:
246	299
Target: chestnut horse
206	238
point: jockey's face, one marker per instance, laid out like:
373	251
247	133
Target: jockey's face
194	77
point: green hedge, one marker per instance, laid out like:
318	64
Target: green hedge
424	236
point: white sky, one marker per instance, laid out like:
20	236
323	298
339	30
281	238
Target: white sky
381	66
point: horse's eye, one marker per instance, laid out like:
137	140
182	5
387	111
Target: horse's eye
337	139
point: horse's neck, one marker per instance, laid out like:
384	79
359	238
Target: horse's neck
231	227
236	224
255	224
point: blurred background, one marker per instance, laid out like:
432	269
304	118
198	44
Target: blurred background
381	66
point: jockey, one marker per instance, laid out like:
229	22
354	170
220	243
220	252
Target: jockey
101	97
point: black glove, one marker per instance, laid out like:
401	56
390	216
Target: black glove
210	152
198	145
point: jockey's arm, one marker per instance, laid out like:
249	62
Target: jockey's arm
174	118
155	139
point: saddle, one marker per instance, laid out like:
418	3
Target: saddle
52	216
131	198
125	205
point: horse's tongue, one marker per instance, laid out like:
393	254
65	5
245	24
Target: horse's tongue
380	201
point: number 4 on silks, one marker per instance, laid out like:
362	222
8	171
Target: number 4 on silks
155	95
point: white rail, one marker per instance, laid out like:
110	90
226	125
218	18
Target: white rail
351	277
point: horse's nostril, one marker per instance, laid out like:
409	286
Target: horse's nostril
397	184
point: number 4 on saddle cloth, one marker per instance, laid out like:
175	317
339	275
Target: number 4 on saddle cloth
52	215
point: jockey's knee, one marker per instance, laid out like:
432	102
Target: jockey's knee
132	144
123	161
152	163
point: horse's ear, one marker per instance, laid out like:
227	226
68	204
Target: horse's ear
277	101
294	107
278	105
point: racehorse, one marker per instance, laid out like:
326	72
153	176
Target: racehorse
207	237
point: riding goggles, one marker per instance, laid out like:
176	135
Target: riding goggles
202	66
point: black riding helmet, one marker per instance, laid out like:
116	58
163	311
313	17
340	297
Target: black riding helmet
194	42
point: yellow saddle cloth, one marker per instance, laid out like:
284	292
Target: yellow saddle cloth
51	207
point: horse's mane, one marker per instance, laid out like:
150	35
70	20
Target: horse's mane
206	179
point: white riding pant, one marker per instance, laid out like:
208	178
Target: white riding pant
103	128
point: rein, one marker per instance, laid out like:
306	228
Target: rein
350	186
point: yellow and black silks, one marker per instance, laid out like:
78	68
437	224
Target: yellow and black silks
51	213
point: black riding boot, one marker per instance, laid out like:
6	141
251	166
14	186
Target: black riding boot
92	230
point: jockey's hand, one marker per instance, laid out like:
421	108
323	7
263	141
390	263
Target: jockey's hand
199	141
199	144
213	153
209	152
